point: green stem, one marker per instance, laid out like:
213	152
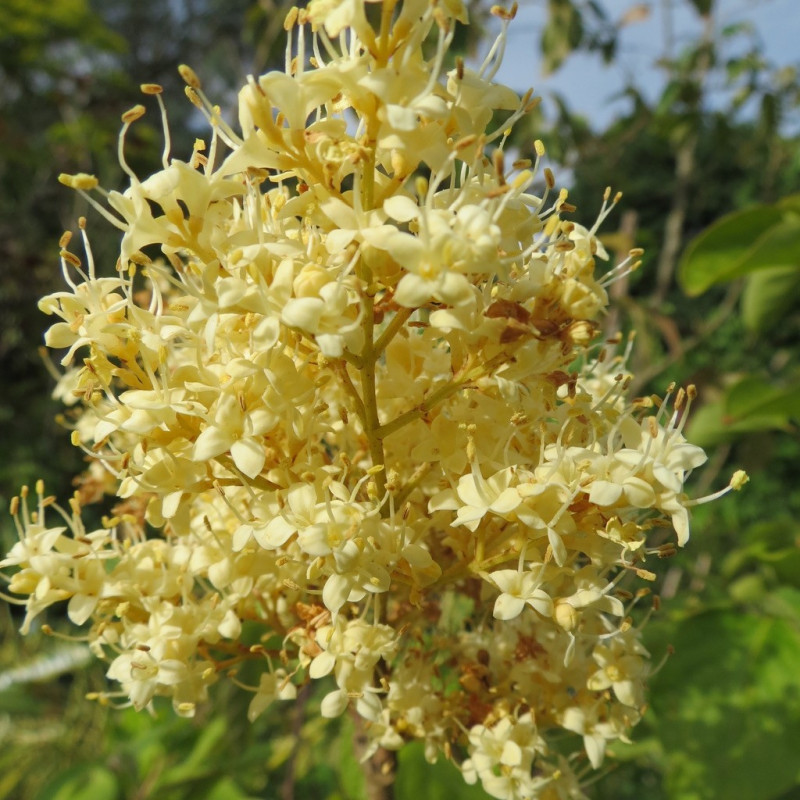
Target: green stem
468	377
369	356
397	322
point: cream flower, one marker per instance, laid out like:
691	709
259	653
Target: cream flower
519	589
347	388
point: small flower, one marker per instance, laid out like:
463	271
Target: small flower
519	589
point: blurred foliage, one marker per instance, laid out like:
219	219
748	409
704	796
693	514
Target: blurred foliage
713	187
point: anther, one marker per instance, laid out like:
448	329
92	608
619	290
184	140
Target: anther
193	97
151	88
505	14
465	141
79	181
189	76
132	114
291	18
739	479
71	258
531	104
498	161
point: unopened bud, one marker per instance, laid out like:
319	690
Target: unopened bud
566	616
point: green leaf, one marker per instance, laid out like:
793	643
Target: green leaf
417	779
710	425
351	773
759	238
784	603
768	296
226	789
82	782
789	203
713	254
754	397
752	405
727	708
735	28
670	96
561	35
703	7
200	761
778	246
768	542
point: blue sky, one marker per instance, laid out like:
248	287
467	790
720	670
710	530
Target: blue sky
588	85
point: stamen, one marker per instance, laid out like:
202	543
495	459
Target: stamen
494	57
155	89
737	481
87	248
128	118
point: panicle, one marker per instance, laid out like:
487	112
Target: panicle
343	386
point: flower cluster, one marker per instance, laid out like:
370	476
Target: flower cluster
344	390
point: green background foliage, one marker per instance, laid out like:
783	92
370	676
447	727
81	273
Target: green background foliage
711	192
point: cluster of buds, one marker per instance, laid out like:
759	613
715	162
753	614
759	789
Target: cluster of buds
345	388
